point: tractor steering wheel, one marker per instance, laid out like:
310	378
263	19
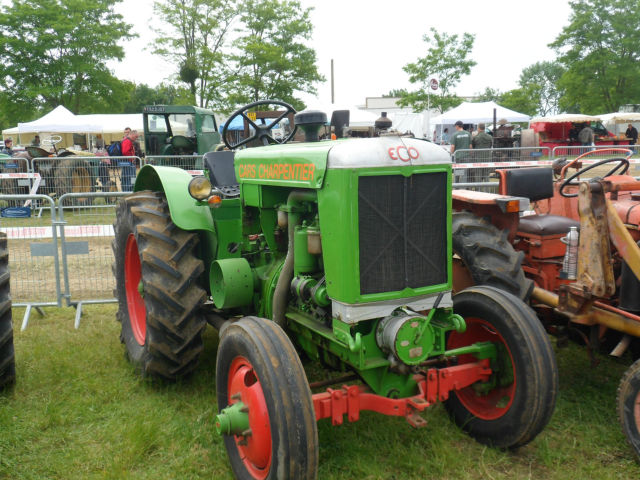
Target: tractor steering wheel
262	132
622	163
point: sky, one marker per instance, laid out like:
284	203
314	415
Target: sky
371	40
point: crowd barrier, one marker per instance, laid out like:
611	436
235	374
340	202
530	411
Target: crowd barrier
60	244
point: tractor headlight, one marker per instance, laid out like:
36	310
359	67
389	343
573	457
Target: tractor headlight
200	188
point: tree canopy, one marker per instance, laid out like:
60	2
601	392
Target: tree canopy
272	53
448	60
540	81
599	49
197	43
54	52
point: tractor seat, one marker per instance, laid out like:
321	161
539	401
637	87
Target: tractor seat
546	224
221	172
535	184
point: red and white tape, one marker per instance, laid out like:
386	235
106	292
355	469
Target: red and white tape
528	163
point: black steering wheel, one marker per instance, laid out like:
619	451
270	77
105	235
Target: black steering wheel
262	132
622	163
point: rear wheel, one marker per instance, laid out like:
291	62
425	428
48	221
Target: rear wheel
7	355
258	366
157	288
517	402
485	257
628	405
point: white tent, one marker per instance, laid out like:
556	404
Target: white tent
114	123
59	120
566	118
468	112
409	122
617	122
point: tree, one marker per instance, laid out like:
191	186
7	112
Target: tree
446	59
599	49
541	81
197	44
523	99
164	94
489	95
395	93
273	56
54	52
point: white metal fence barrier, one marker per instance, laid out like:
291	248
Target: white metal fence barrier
73	174
475	168
33	252
600	151
85	241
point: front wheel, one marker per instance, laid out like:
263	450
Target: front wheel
628	405
267	416
516	403
157	274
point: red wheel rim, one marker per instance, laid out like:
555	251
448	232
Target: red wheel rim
135	303
498	401
255	449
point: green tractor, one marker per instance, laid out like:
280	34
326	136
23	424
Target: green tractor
338	249
177	131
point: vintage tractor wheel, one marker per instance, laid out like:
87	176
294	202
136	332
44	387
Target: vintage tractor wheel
7	355
157	287
485	257
258	366
517	402
72	175
628	403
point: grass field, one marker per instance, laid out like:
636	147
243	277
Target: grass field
80	411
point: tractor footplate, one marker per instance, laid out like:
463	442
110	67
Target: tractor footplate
434	386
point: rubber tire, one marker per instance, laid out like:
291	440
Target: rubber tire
628	395
7	352
294	433
535	369
488	255
172	296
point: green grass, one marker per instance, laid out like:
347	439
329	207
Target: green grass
80	411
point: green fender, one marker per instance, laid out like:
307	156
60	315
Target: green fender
186	212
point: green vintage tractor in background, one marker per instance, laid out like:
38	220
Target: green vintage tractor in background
338	249
177	130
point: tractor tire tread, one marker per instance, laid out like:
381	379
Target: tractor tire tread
489	257
537	401
172	295
628	393
7	351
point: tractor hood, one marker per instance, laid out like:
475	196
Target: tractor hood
303	165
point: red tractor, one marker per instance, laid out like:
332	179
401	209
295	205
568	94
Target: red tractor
569	247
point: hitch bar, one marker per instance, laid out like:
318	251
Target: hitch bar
435	386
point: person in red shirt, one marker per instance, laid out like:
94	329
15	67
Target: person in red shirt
129	169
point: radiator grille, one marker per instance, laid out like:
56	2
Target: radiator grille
402	228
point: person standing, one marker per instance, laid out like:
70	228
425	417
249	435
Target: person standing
632	133
444	139
482	141
586	136
8	147
460	141
128	164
